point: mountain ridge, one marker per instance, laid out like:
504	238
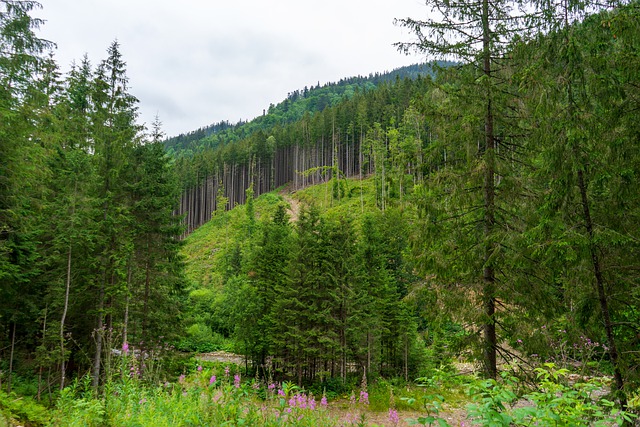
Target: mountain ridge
297	103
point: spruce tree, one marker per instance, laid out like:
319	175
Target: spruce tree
472	147
21	169
115	134
582	96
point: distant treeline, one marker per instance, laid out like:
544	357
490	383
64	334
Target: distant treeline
308	100
344	140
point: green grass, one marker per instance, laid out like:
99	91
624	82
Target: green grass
205	247
359	198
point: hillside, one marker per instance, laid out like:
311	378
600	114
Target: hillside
299	102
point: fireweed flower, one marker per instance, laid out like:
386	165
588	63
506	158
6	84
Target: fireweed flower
364	397
181	379
125	348
312	403
236	381
352	399
323	401
281	392
393	416
199	368
302	401
212	380
226	371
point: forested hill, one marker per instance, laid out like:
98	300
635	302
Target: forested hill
307	100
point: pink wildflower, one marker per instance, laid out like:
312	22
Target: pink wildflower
212	380
393	416
236	381
125	348
323	401
199	368
302	401
364	397
181	379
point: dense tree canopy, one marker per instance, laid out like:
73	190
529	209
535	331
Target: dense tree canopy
488	211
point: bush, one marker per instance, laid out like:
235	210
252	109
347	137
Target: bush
24	409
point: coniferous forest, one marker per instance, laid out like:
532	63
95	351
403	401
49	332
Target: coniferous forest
448	243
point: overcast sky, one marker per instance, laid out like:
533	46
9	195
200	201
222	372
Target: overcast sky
197	62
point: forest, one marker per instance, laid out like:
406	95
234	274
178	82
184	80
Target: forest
443	242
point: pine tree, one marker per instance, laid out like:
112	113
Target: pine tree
115	134
154	270
21	168
582	102
474	188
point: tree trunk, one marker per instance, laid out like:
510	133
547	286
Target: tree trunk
63	320
97	357
125	329
13	346
44	334
602	294
488	291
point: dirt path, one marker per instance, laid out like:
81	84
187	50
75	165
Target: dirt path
294	206
455	417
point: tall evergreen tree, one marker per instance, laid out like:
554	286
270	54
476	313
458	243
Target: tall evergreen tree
475	187
581	93
21	167
115	133
154	271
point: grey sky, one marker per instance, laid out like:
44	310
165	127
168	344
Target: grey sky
196	62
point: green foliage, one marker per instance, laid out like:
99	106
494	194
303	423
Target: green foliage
22	409
197	399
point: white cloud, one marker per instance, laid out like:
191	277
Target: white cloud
196	62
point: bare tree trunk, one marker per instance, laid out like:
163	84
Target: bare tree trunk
13	346
602	294
63	366
44	334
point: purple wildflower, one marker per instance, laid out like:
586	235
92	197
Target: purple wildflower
181	379
323	401
226	371
302	401
125	348
393	416
212	380
364	397
281	392
236	381
199	368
